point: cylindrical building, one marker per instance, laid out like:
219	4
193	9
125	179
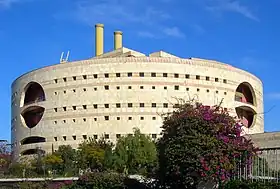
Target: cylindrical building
114	92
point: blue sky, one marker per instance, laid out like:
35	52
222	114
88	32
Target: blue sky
244	33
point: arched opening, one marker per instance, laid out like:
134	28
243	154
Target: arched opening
34	93
247	116
32	140
33	152
32	115
244	93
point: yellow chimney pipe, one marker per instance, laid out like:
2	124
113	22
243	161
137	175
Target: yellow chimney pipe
117	40
99	39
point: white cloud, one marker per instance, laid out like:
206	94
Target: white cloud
231	6
173	32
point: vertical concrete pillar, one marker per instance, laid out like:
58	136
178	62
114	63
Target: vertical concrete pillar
99	39
117	40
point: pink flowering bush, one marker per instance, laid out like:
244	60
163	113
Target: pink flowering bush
201	142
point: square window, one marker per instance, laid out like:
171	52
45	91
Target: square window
154	105
106	136
118	118
165	105
154	136
141	74
106	87
118	87
64	79
55	93
207	78
176	87
106	105
55	80
55	122
84	137
207	90
74	120
84	76
129	118
142	105
64	108
118	135
74	78
153	74
129	87
141	118
153	87
55	109
217	92
154	118
106	118
118	74
187	76
64	121
197	77
225	81
225	93
64	92
118	105
95	88
64	138
84	106
106	75
95	136
74	107
187	89
85	89
74	137
95	106
55	138
95	119
165	87
197	89
129	74
176	75
94	76
141	87
84	119
74	90
216	79
129	105
164	75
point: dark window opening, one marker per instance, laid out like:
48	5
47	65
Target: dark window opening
216	79
129	105
34	93
74	78
118	105
129	74
207	78
32	140
244	94
106	75
64	108
64	138
142	105
153	74
197	77
118	135
74	107
74	137
176	75
94	76
141	74
84	106
176	87
84	76
164	74
106	87
106	105
154	105
165	105
84	137
33	152
33	115
106	118
95	106
118	74
106	136
64	79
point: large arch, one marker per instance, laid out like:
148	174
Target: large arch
247	116
32	140
33	152
34	92
32	115
245	93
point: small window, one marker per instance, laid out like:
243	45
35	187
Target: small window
165	105
153	74
106	105
95	88
187	76
74	120
153	87
55	93
141	87
154	118
84	106
74	107
207	78
55	109
197	77
106	87
176	87
176	105
142	105
118	74
84	119
95	119
217	92
64	121
74	78
224	81
64	79
55	80
141	118
106	75
187	89
94	76
106	136
95	136
84	89
164	75
118	135
129	118
55	138
129	87
84	137
118	105
216	79
64	109
129	105
154	105
118	87
141	74
95	106
106	118
118	118
55	122
165	87
74	137
129	74
154	136
74	90
176	75
84	76
197	90
225	93
207	90
64	92
64	138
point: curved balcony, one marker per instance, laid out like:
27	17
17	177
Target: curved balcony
245	94
34	93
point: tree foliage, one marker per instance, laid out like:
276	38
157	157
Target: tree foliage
200	141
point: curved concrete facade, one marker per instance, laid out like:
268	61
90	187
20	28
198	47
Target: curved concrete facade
110	96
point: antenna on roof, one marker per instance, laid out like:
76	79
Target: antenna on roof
62	60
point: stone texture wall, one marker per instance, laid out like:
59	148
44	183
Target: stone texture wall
186	78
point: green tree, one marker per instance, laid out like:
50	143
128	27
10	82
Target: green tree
135	153
53	162
69	158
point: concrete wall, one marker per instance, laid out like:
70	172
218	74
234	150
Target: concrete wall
123	90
